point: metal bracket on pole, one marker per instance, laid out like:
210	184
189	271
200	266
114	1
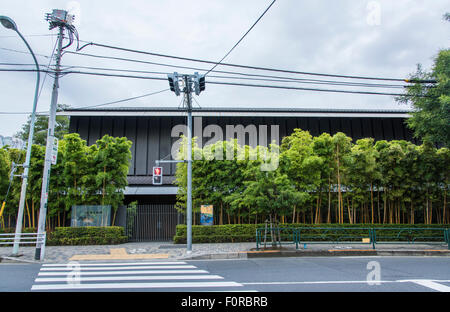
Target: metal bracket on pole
169	161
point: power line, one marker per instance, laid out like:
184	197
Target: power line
245	66
41	35
24	52
308	80
304	89
277	79
123	100
248	85
241	37
48	66
221	83
22	113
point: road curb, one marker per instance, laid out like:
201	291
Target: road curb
318	253
4	259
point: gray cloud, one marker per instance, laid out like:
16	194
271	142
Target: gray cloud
317	36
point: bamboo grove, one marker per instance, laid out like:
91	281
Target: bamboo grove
321	179
83	175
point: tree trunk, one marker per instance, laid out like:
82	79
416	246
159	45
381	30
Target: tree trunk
114	217
445	206
378	205
431	211
32	213
350	217
329	199
339	184
371	199
293	215
28	213
103	188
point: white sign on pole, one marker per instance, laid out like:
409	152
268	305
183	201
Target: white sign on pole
55	151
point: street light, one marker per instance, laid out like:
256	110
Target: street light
10	24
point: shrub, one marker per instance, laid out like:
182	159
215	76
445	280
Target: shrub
247	232
88	235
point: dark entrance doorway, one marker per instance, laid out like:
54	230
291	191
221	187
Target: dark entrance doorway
153	222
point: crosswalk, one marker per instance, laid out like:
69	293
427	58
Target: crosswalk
176	275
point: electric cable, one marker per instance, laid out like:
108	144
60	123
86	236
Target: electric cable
228	72
250	67
123	100
254	24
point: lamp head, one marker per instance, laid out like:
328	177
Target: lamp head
8	23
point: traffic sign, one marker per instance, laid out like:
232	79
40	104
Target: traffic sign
55	151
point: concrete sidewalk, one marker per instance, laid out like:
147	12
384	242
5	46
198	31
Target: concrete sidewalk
168	250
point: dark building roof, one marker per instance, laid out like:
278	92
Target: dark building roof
238	111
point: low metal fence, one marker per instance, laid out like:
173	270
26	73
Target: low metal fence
411	235
348	235
276	236
22	239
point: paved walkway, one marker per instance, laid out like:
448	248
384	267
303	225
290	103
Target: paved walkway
146	250
168	250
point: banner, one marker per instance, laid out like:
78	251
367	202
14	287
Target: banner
206	216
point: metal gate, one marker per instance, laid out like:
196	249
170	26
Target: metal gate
155	222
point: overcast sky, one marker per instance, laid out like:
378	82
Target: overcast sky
381	38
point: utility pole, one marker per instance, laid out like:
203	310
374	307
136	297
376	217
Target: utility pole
61	19
197	82
187	93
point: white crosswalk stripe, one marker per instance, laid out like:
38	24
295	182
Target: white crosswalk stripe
130	275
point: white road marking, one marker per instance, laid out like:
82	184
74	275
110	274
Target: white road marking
134	285
130	278
70	269
314	282
113	264
125	272
126	275
432	284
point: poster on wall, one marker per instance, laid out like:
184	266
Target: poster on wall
206	215
91	216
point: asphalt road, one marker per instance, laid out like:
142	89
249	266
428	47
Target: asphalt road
315	274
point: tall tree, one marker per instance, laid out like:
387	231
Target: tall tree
430	119
41	127
75	169
303	167
323	148
111	168
342	148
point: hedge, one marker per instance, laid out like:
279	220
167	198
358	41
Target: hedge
247	232
87	235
